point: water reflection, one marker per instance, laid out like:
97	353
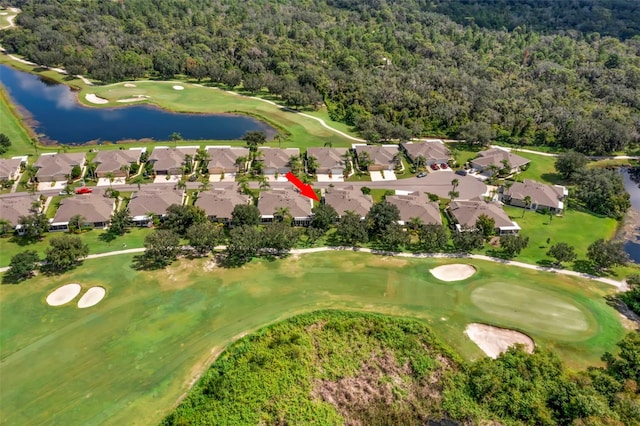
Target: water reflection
55	113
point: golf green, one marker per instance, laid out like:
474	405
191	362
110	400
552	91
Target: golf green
128	359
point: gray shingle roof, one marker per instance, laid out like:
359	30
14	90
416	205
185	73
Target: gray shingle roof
328	158
466	213
93	207
495	156
11	208
270	201
170	159
224	158
348	198
431	151
545	195
276	158
154	201
219	203
111	161
52	166
379	154
8	167
417	205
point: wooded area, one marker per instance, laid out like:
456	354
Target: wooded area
392	71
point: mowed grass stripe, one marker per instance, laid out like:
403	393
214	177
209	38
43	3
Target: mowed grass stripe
128	359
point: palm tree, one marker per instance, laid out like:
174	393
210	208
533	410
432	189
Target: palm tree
138	180
202	156
312	164
111	177
527	203
295	163
278	137
76	222
420	161
125	168
5	225
34	143
397	158
453	195
328	145
204	184
241	163
364	161
455	183
91	169
414	224
175	137
283	214
181	184
264	183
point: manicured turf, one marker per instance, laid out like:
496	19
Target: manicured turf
303	131
129	358
578	229
9	246
12	126
541	169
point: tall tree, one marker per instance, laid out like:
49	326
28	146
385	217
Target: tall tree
245	214
254	139
162	247
64	252
351	230
324	216
570	162
21	266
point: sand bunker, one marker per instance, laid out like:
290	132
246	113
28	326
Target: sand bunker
454	272
95	99
64	294
129	85
132	99
493	340
178	88
92	297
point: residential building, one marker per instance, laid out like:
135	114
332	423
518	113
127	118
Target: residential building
170	161
10	169
441	184
276	160
280	199
219	203
416	205
434	152
96	210
150	202
13	207
542	196
465	215
330	161
348	199
224	159
57	167
115	161
497	158
381	157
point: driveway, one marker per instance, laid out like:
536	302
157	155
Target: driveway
228	177
379	177
171	179
116	181
326	178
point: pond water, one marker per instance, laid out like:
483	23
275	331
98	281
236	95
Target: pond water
56	116
632	244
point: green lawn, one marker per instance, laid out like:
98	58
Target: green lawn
9	246
541	169
575	228
12	126
128	359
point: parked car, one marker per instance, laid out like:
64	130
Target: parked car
461	172
421	174
434	166
444	166
84	190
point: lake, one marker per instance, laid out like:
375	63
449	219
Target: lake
632	244
56	116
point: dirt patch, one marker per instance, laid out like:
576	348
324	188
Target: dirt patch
129	85
387	261
382	386
493	340
92	297
453	272
64	294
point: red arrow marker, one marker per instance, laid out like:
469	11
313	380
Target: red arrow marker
305	190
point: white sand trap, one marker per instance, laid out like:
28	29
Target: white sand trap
178	88
454	272
95	99
131	100
92	297
129	85
493	340
64	294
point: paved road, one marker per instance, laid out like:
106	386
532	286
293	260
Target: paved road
620	285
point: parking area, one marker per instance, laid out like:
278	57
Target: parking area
228	177
167	179
327	178
116	181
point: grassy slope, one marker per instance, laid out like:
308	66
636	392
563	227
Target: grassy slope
95	239
270	377
575	228
129	358
11	125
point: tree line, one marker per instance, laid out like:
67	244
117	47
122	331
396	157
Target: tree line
392	71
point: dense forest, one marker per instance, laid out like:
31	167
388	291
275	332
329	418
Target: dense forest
616	18
393	70
351	368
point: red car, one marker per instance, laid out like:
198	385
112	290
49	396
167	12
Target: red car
84	190
444	166
434	166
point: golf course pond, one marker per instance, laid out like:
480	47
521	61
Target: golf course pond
55	115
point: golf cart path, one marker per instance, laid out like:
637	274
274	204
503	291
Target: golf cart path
620	285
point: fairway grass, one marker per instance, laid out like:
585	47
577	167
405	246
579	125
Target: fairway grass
129	358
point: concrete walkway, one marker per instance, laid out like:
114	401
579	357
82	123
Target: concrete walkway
620	285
